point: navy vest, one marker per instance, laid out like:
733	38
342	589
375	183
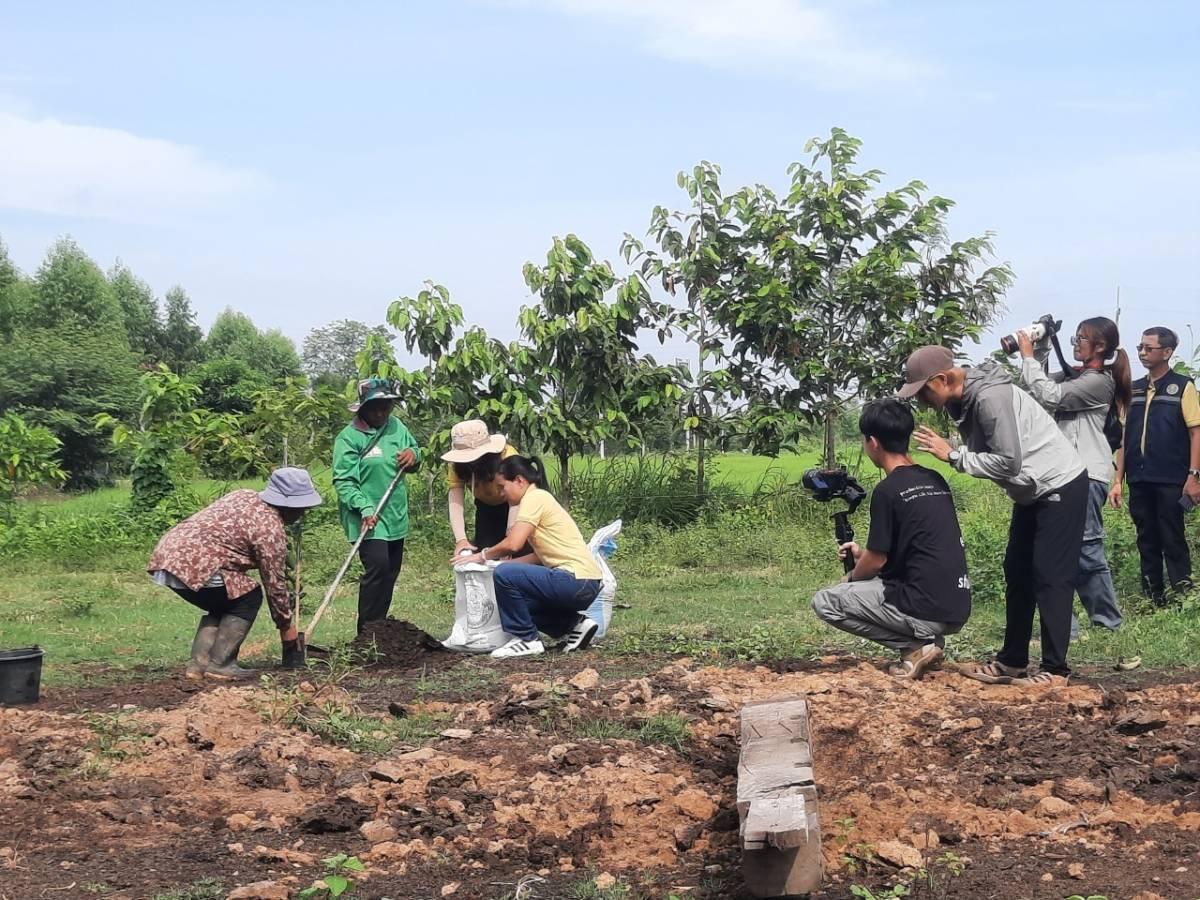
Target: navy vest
1157	450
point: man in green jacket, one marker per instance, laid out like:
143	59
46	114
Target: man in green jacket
368	455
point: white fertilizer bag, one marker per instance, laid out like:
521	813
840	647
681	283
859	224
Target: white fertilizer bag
602	545
477	626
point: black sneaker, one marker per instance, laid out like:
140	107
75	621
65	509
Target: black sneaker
579	637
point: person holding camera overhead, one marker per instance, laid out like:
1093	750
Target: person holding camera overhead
909	586
1082	401
1160	457
1009	439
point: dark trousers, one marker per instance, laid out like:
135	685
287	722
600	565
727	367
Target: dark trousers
216	602
534	598
1044	541
1158	518
491	524
381	567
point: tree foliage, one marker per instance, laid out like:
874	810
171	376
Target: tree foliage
329	352
28	456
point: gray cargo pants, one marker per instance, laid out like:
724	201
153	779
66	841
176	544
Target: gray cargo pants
858	607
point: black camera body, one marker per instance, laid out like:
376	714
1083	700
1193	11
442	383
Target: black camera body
1045	327
837	484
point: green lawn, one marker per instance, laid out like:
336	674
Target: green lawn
734	585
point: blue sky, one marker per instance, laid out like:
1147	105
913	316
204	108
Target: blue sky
306	162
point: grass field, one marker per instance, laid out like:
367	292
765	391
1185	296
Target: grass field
735	584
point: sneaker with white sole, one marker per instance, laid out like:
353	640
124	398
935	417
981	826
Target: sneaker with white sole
580	637
519	647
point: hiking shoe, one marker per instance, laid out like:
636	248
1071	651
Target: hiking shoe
1042	679
580	636
519	647
913	665
995	673
206	634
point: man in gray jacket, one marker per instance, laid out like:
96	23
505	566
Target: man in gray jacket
1009	439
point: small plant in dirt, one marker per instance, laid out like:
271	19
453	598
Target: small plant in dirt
337	880
204	889
594	889
603	730
459	683
892	893
670	729
116	736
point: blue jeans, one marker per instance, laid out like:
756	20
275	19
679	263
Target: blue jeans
534	598
1093	581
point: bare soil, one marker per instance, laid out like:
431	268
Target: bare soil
1092	789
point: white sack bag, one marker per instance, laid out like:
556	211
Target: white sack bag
477	627
602	607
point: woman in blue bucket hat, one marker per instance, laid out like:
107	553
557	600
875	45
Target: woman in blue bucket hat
368	455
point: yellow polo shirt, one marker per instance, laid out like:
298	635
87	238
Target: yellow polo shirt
487	492
556	538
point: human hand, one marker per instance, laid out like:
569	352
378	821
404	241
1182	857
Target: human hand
852	548
1024	344
369	522
932	442
1114	495
462	545
288	633
459	559
406	459
1191	489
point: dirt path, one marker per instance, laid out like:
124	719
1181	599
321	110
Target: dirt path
550	769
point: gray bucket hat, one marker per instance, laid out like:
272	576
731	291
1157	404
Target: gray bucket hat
290	487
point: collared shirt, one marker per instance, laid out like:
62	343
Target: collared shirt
486	492
229	537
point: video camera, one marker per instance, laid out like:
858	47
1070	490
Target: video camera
837	484
1046	326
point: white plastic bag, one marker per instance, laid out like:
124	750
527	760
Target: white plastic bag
477	627
602	607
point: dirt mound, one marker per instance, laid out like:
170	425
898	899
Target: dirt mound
401	645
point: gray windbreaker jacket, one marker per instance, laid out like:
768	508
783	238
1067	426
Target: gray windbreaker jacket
1010	439
1080	406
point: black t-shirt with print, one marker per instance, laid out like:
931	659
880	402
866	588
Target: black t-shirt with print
914	522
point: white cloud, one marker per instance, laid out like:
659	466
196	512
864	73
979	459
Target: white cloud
50	166
794	36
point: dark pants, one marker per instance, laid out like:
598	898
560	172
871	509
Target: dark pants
1158	518
491	524
1044	540
214	600
534	598
381	567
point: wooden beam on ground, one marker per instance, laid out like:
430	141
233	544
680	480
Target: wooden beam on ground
777	800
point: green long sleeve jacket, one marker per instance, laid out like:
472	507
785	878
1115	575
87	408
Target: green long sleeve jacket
361	478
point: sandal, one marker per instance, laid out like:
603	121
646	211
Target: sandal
1042	679
996	673
912	666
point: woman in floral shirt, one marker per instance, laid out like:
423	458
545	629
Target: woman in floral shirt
204	559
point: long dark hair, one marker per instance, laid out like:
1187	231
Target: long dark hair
483	469
1101	330
528	467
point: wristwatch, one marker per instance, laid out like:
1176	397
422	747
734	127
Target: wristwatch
483	553
1195	473
955	457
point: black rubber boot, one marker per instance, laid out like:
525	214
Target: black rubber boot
224	654
206	634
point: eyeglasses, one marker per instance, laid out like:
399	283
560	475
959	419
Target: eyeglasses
1146	348
1076	340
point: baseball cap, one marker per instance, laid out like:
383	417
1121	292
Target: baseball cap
922	364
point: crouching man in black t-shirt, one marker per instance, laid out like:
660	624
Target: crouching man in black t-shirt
909	587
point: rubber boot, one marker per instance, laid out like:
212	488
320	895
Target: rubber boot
202	643
224	654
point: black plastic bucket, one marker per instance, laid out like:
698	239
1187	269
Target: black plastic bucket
20	675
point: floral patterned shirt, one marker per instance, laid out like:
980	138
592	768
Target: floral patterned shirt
231	535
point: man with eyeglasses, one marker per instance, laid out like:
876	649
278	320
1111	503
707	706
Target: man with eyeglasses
1160	458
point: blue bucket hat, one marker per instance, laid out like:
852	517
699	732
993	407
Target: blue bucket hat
291	488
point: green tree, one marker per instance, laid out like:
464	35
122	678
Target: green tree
234	336
329	352
182	339
12	289
28	456
699	253
70	289
227	384
839	283
139	309
580	352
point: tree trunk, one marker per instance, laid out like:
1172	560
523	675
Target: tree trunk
564	478
829	450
